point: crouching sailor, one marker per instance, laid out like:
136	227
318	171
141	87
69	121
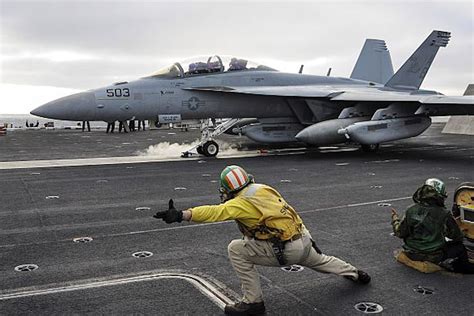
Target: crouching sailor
274	235
424	230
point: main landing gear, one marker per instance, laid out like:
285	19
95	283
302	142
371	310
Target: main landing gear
371	148
207	146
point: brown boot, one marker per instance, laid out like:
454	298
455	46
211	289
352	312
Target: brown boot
242	308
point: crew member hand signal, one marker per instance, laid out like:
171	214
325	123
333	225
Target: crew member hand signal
171	215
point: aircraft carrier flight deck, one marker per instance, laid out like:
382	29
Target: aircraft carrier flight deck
78	237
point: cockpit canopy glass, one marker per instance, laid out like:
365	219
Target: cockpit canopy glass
208	65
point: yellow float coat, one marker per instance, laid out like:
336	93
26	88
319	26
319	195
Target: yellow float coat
259	208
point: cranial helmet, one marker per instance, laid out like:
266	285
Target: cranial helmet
439	186
233	179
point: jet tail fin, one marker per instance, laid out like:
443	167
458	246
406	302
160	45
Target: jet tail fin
374	62
413	71
469	89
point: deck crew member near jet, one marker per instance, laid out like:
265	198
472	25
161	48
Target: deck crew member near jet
274	235
425	226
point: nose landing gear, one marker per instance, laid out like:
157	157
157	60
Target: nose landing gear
207	146
209	149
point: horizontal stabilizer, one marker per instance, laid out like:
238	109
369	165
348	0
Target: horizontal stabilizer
413	71
374	62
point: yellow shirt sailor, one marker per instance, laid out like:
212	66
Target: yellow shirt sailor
274	235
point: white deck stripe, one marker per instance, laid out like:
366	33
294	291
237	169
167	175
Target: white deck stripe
81	162
31	164
215	223
204	286
355	205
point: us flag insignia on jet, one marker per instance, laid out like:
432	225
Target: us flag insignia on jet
193	103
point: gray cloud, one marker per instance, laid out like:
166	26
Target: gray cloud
128	39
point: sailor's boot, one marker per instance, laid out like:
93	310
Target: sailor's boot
242	308
362	277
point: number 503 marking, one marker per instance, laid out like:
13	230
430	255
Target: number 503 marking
119	92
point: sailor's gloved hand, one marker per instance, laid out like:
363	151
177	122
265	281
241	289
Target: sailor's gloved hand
394	214
171	215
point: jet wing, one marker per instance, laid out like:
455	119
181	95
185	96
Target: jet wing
392	96
442	99
346	93
426	103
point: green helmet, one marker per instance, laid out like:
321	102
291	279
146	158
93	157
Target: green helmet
234	178
439	186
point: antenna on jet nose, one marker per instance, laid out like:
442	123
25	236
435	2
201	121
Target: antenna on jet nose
329	72
301	69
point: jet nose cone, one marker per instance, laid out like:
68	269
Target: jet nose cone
41	111
79	106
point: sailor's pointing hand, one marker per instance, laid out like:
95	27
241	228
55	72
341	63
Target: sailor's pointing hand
171	215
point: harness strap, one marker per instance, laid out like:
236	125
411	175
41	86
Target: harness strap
278	247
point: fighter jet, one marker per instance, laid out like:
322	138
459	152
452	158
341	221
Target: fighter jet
373	106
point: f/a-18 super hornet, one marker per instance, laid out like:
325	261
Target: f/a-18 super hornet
373	106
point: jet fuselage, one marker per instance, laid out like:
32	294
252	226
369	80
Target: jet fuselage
149	98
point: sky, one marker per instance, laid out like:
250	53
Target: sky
49	49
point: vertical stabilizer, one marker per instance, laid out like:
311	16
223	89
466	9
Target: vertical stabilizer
374	62
469	89
413	71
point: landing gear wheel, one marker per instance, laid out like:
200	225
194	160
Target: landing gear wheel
369	148
210	149
199	150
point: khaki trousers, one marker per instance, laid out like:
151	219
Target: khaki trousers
245	253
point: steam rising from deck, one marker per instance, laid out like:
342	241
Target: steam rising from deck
174	150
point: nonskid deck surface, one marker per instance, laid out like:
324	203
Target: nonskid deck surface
344	198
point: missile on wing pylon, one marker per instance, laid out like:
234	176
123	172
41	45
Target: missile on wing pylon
380	131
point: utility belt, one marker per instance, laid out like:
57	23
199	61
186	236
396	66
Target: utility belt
278	247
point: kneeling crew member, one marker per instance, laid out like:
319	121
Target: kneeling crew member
274	235
425	226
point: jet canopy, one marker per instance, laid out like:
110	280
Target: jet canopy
208	65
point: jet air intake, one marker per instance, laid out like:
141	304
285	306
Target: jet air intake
326	132
380	131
